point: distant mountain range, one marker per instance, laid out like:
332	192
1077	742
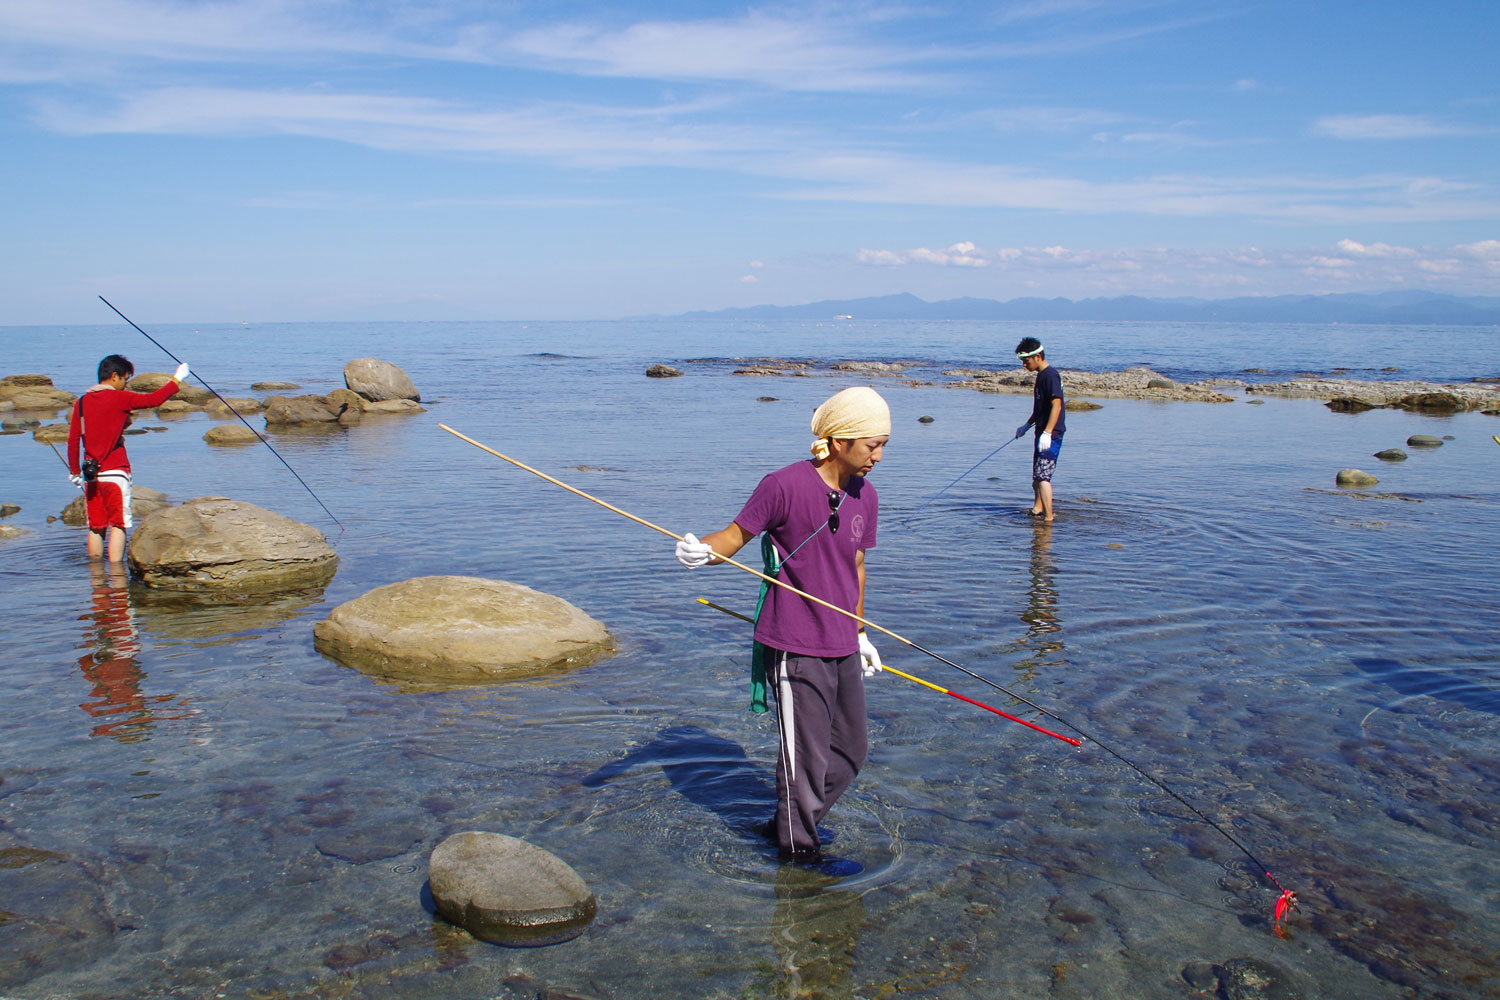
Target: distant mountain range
1387	307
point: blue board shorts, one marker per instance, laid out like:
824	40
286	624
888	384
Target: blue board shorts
1044	463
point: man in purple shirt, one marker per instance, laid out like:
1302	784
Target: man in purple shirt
819	517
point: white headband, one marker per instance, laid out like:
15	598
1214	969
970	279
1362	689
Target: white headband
1027	354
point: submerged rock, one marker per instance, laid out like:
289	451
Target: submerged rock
243	405
1424	441
663	371
273	386
376	380
1391	455
50	433
442	630
394	406
230	434
215	543
1355	477
503	889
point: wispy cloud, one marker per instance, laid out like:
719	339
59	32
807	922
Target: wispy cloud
1351	265
785	53
1386	127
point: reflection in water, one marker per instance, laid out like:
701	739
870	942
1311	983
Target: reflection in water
111	664
172	614
815	929
1040	613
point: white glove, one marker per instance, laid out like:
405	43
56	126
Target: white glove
869	659
1043	441
76	481
182	373
693	553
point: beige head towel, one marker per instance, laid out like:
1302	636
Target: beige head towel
857	412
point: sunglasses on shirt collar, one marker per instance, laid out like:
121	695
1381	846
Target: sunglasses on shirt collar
835	500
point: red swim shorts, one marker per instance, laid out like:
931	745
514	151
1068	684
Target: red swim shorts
106	504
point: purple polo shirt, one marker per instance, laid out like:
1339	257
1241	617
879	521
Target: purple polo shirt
792	505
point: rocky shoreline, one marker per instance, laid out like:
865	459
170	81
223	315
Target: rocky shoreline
1144	383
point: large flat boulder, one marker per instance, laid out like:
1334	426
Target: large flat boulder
503	889
215	543
376	380
445	630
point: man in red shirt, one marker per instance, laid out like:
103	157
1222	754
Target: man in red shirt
98	423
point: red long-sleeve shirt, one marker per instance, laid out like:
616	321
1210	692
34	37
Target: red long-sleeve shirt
106	412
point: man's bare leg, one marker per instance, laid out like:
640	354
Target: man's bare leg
1043	505
117	541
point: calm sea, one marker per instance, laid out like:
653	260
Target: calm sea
194	802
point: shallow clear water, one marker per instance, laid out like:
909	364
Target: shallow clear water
195	802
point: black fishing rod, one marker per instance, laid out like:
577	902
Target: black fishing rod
231	409
945	489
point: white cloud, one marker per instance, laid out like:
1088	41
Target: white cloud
1484	249
799	52
1374	249
1148	270
1384	127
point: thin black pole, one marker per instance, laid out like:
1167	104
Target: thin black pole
231	409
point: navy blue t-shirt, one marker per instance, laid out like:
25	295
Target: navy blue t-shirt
1047	388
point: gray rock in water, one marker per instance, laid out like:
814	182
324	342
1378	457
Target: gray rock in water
52	433
1159	382
1391	455
765	399
1252	979
31	381
457	630
505	890
55	916
1424	441
9	509
1355	477
27	397
1350	404
230	434
9	531
243	405
924	419
394	406
662	371
274	386
219	544
1443	402
1081	405
20	423
361	846
283	411
376	380
186	392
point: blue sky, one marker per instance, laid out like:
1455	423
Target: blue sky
315	159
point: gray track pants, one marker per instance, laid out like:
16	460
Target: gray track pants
820	708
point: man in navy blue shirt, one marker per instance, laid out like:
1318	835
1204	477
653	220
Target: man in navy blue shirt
1047	418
